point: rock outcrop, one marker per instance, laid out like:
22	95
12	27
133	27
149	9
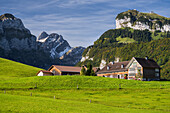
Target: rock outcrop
14	35
53	44
141	21
73	56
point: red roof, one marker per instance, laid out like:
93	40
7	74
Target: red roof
67	68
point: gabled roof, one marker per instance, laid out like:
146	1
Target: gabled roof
116	67
66	68
147	63
44	71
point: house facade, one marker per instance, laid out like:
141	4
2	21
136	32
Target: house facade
114	70
144	69
136	68
64	70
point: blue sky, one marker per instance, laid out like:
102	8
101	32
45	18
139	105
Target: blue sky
80	22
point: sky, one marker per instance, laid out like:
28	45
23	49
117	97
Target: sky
80	22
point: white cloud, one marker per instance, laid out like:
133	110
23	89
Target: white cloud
78	27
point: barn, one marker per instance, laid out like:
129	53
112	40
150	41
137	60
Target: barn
64	70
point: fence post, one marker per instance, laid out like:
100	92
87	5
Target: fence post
90	101
36	85
77	86
4	91
31	94
119	86
54	96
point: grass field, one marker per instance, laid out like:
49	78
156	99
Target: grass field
28	93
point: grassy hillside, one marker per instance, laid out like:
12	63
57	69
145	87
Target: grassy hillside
10	68
22	91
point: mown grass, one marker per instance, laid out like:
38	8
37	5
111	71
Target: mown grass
23	93
50	105
83	82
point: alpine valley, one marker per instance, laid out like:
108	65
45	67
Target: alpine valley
137	34
18	44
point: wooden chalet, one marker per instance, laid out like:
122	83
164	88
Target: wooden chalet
44	73
136	68
64	70
143	68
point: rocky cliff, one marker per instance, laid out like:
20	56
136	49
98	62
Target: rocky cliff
141	21
17	43
53	44
73	56
14	35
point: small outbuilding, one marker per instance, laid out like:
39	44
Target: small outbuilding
44	73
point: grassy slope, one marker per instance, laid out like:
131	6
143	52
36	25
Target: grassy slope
10	69
104	93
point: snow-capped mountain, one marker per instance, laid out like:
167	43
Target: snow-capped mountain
18	44
53	44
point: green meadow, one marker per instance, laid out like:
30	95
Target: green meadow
22	91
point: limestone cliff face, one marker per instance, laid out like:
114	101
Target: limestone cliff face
141	21
13	34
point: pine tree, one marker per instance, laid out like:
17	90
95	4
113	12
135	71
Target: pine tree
92	73
89	68
83	71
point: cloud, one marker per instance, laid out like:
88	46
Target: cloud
78	27
81	22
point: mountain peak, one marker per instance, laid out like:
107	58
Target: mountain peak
7	16
42	35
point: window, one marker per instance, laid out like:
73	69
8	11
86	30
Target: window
157	74
108	67
156	70
53	71
132	70
134	64
122	66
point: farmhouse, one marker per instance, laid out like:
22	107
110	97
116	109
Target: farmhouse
44	73
64	70
143	68
136	68
114	70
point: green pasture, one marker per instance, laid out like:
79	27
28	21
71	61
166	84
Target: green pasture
27	93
